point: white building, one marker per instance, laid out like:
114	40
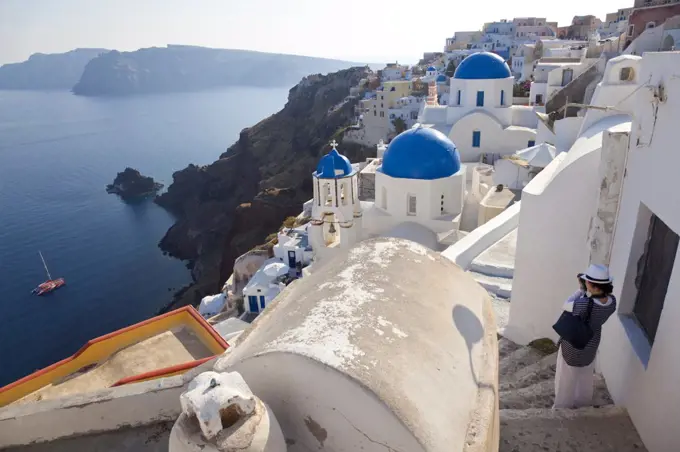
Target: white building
480	118
502	27
517	170
336	212
406	108
292	247
610	200
264	286
394	72
523	59
419	190
553	74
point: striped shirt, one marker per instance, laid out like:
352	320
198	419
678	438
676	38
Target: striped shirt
599	315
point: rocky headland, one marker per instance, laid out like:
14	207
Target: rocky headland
130	184
177	68
229	207
47	71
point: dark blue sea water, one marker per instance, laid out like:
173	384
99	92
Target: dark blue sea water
57	153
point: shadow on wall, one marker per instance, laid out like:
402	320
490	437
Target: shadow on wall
470	327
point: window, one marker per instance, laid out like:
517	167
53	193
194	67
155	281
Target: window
567	76
631	30
441	210
458	97
502	97
382	97
375	113
627	74
480	98
650	25
329	198
382	114
531	143
476	139
653	276
411	207
539	99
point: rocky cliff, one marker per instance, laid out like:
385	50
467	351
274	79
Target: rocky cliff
42	71
226	208
130	184
188	68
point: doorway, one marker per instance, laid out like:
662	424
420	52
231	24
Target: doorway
291	259
252	303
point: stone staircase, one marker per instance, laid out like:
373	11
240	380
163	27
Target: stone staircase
493	269
528	422
527	382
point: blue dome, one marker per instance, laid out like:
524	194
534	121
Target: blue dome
482	66
441	78
431	68
333	165
421	153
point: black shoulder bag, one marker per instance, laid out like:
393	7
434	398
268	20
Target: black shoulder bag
575	329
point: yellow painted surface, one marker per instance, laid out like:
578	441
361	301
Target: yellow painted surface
99	351
402	88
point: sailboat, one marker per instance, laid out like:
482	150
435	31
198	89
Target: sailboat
49	285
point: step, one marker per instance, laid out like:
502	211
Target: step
501	308
492	269
605	429
542	395
518	359
506	346
501	253
496	285
544	369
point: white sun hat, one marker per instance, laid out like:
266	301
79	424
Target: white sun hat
598	274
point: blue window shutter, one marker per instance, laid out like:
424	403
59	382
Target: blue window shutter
480	98
502	97
532	143
476	139
458	97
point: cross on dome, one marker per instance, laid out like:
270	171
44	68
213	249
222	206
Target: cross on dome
334	144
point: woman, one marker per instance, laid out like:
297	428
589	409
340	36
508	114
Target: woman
575	368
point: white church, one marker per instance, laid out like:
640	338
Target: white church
480	117
419	192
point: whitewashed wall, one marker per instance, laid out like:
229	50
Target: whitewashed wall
613	92
552	247
645	379
495	138
509	174
427	192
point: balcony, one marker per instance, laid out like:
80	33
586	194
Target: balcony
650	3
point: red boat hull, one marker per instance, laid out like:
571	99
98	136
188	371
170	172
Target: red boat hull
49	286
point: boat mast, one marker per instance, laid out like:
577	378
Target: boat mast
45	265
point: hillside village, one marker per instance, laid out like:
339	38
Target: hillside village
409	306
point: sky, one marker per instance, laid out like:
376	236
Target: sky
374	31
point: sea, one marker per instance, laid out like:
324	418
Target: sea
58	152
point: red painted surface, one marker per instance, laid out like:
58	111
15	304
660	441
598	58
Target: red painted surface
189	309
160	372
658	14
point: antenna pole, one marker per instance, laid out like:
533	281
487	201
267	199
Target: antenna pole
45	265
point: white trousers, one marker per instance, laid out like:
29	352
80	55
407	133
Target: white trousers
573	385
